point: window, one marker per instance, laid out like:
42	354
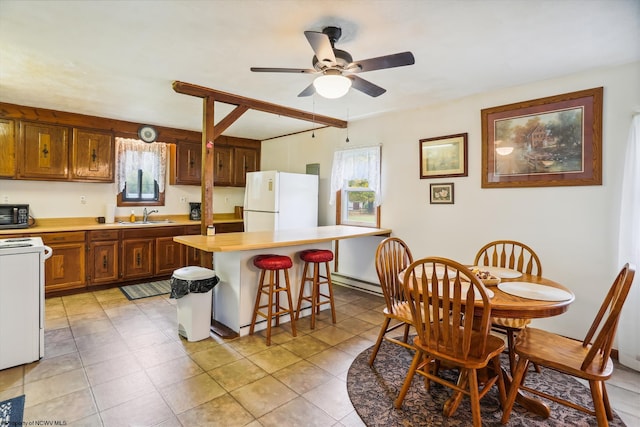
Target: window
355	179
358	204
140	172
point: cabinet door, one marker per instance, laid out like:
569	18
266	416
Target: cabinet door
66	268
245	160
44	151
92	156
7	149
188	163
223	167
137	258
103	262
169	256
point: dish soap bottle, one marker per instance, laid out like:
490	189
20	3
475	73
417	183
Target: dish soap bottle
132	217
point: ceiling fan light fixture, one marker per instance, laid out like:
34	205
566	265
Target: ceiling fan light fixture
332	85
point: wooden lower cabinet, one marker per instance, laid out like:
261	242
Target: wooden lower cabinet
104	257
169	256
117	257
65	269
137	258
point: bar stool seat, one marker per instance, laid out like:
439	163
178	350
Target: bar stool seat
316	257
273	264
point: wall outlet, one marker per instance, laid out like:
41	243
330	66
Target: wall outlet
183	199
5	199
83	200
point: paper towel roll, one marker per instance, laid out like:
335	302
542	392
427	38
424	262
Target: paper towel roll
109	213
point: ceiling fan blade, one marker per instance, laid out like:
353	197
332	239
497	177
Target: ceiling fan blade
382	62
283	70
308	91
365	86
321	46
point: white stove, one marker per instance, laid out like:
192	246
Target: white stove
22	300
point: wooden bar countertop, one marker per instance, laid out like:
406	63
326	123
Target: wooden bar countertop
232	242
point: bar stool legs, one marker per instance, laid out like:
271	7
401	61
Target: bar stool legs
316	257
272	289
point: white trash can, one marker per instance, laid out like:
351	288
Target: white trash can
193	303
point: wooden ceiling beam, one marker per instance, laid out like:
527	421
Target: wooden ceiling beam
223	124
254	104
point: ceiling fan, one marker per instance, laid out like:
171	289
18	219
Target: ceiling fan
337	68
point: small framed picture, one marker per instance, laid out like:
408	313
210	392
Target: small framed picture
443	156
441	194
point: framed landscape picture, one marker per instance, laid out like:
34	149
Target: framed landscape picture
554	141
443	156
441	194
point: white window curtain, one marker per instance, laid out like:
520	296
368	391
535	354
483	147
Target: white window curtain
629	249
357	163
133	154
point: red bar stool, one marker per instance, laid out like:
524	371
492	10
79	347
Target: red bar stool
273	264
316	257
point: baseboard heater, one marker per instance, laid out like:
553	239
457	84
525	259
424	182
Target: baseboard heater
354	283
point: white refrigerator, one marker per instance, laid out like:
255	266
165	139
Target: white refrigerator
280	200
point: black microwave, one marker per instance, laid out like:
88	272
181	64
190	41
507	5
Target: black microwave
14	216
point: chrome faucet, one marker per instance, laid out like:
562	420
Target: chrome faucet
145	214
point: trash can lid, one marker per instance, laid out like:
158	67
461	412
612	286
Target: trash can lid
193	273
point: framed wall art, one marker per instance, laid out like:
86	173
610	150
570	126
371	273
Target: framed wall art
441	194
553	141
444	156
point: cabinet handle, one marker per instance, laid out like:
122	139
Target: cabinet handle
45	151
94	156
244	163
138	261
104	261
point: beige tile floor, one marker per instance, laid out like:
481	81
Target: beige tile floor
114	362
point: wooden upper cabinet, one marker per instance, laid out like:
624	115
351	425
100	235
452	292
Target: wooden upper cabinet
186	163
244	160
7	149
223	165
43	151
92	156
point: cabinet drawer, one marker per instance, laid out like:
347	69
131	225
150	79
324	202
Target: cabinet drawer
103	235
71	236
229	227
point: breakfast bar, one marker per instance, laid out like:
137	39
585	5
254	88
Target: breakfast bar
235	295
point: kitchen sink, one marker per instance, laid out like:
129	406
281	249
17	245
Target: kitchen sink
149	222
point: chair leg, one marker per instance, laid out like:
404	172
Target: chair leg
270	307
451	405
288	292
256	306
417	358
607	406
383	331
502	390
512	353
330	285
474	396
598	402
301	293
513	389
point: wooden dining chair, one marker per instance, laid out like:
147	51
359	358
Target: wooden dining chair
392	256
452	330
515	256
588	359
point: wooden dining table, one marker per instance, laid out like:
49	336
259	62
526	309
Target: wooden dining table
506	305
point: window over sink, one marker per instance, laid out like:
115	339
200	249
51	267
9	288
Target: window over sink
140	172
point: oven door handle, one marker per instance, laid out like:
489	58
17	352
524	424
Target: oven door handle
47	252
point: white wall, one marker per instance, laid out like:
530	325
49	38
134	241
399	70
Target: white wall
49	199
573	229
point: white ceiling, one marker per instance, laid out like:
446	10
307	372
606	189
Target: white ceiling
117	59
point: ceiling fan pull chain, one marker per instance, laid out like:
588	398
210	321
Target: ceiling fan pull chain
347	140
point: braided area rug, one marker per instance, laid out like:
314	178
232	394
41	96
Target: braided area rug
373	391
